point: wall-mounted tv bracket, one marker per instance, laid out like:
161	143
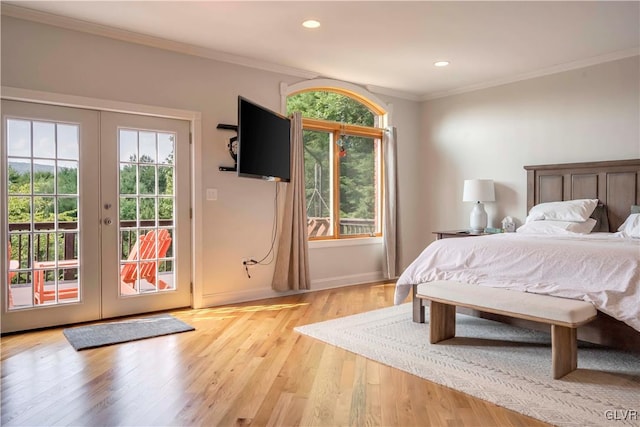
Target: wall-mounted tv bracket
232	146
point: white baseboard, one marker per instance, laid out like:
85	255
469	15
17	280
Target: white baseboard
216	299
352	279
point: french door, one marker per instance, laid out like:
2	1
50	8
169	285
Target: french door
95	210
145	202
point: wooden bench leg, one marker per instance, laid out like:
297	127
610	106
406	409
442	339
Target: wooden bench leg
418	308
564	350
442	322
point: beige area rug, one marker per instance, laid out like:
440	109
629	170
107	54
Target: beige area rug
505	365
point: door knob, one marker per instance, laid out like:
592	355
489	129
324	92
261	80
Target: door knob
107	221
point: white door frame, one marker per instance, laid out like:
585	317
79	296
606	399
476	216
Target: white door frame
195	120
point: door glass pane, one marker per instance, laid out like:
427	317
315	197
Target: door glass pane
165	208
67	177
68	142
147	180
128	143
148	147
67	212
128	178
44	212
128	211
19	179
165	180
165	148
358	178
44	140
19	138
44	175
44	247
146	210
43	226
20	208
318	189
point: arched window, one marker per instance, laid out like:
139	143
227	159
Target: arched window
343	162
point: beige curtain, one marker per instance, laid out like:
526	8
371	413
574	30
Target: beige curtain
389	226
292	262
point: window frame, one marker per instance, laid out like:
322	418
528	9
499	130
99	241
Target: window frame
337	129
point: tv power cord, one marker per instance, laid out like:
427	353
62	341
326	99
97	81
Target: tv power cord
247	263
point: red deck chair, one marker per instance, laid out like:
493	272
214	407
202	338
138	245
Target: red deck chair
317	227
145	248
42	295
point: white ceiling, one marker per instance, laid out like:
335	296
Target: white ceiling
388	46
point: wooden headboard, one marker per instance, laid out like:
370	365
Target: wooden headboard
615	183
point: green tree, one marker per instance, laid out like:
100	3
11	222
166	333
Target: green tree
357	181
68	181
17	180
330	106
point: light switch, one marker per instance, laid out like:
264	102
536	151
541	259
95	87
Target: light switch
212	194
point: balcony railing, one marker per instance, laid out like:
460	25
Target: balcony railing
45	235
44	242
321	226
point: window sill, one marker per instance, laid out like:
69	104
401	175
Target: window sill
359	241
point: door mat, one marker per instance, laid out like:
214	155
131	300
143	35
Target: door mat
98	335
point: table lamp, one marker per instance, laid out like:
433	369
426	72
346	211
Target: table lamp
478	190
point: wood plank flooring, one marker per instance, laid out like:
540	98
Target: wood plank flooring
244	365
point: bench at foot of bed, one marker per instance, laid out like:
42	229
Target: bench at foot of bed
564	315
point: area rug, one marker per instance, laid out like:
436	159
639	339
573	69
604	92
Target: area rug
502	364
101	334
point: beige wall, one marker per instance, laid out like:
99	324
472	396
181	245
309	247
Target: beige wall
587	114
239	224
580	115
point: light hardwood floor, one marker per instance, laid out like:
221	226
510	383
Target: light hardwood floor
244	365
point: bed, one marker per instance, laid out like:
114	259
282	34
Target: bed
616	184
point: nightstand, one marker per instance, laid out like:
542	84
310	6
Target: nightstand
457	233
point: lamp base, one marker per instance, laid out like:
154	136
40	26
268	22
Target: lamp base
478	218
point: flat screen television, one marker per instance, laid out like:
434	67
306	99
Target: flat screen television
264	142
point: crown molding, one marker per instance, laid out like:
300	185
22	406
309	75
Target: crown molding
184	48
142	39
621	54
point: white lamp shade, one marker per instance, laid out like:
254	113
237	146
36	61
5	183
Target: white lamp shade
478	190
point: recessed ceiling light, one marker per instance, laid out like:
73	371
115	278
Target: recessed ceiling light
441	63
311	23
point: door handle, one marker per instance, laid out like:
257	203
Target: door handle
108	221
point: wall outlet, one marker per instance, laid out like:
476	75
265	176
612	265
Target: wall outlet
212	194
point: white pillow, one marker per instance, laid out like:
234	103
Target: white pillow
557	227
569	210
631	226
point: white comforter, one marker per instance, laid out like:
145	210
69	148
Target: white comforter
601	268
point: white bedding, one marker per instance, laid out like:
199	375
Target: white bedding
600	268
